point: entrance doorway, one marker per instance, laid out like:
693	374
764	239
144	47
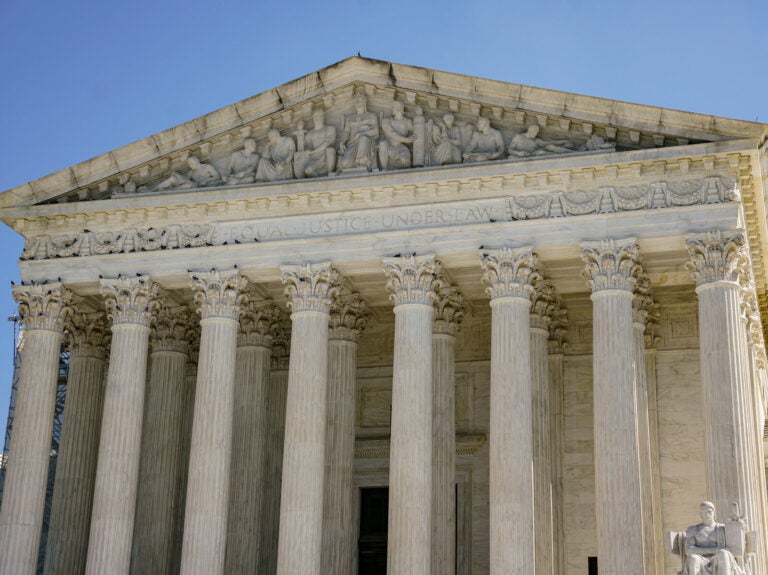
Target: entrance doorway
372	543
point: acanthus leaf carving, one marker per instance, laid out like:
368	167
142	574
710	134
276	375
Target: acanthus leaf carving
130	300
216	293
510	272
410	279
44	306
611	264
171	328
310	287
349	317
261	321
545	302
716	256
450	305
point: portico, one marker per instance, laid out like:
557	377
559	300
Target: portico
469	335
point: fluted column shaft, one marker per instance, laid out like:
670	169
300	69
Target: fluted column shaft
611	269
509	275
409	545
301	502
348	318
42	309
129	303
254	353
76	468
160	469
205	519
556	445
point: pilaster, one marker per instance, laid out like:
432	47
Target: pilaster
43	308
130	303
611	270
217	297
409	545
309	290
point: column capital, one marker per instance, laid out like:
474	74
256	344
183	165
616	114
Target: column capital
87	334
545	302
171	328
260	321
281	347
449	306
349	316
645	311
611	264
44	306
310	287
129	300
510	272
217	293
558	332
717	256
409	279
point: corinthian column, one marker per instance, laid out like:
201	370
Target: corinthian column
129	303
543	307
161	453
258	323
205	520
76	469
42	308
558	326
309	291
349	315
611	268
409	545
509	274
449	312
718	262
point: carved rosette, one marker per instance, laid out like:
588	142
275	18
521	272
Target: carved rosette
129	300
545	302
260	320
611	264
43	306
87	334
510	272
349	317
645	311
558	332
310	287
172	328
714	257
410	278
449	306
216	293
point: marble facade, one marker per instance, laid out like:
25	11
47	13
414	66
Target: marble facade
535	317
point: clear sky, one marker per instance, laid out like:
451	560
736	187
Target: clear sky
80	78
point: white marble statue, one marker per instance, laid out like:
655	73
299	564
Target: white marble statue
529	144
198	176
317	151
445	141
394	152
485	144
278	161
596	142
706	548
242	164
361	130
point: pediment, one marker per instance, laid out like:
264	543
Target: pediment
376	117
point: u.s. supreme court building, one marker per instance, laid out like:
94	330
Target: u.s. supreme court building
385	319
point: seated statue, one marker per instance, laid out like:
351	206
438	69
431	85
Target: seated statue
242	164
486	143
711	548
318	156
529	144
445	139
361	130
279	163
199	176
596	142
394	152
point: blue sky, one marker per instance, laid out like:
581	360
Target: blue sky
80	78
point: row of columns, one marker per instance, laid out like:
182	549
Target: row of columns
234	359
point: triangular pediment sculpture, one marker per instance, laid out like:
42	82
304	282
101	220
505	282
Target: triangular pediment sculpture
366	116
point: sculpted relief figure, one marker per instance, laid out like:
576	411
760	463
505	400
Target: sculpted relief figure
361	130
242	164
278	161
596	142
485	144
198	176
710	548
318	156
445	140
398	133
529	144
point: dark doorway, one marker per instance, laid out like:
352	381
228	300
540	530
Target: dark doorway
592	565
372	544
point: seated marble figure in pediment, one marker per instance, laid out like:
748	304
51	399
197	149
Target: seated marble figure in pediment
368	134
